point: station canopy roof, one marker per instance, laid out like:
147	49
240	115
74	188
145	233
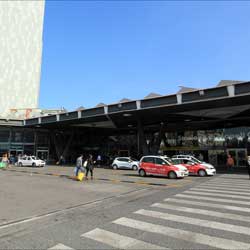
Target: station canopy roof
226	105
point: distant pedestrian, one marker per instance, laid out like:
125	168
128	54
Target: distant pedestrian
230	162
99	160
79	165
61	160
200	157
12	159
5	160
90	167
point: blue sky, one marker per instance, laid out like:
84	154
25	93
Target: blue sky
103	51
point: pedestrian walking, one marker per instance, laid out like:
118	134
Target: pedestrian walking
79	163
5	160
61	161
230	162
90	167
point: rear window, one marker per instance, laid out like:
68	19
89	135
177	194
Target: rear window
148	159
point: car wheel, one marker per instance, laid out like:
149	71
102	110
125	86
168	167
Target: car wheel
134	167
172	175
20	164
33	164
142	173
115	167
202	173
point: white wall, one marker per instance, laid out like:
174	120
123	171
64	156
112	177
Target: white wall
21	28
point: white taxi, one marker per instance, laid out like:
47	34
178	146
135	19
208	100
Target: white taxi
30	161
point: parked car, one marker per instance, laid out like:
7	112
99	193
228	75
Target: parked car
125	163
194	165
159	165
30	161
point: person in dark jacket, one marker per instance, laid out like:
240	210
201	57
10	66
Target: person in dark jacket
90	167
230	162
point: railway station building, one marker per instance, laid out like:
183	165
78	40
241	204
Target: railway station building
210	122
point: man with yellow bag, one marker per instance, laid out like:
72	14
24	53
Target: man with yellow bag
79	162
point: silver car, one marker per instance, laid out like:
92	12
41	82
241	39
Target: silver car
125	163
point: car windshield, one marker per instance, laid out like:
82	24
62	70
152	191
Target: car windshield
168	160
175	161
34	158
133	159
195	160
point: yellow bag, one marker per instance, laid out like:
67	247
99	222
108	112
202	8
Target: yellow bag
80	176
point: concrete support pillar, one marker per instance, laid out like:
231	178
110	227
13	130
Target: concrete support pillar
157	141
142	148
179	98
231	90
62	143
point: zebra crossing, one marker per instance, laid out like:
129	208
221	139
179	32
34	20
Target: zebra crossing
215	214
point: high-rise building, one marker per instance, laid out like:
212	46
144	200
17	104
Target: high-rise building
21	33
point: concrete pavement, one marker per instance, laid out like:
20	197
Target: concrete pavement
42	212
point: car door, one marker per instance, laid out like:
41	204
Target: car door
23	161
127	163
148	164
29	161
161	167
123	162
189	164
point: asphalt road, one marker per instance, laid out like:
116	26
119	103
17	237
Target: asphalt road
118	209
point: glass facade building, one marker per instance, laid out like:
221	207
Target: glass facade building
18	141
213	145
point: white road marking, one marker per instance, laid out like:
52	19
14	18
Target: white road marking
217	195
190	202
194	221
118	241
229	176
221	191
218	186
245	181
230	184
213	199
60	247
179	234
236	180
203	212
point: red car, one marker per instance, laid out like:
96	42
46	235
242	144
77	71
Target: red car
193	168
158	165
